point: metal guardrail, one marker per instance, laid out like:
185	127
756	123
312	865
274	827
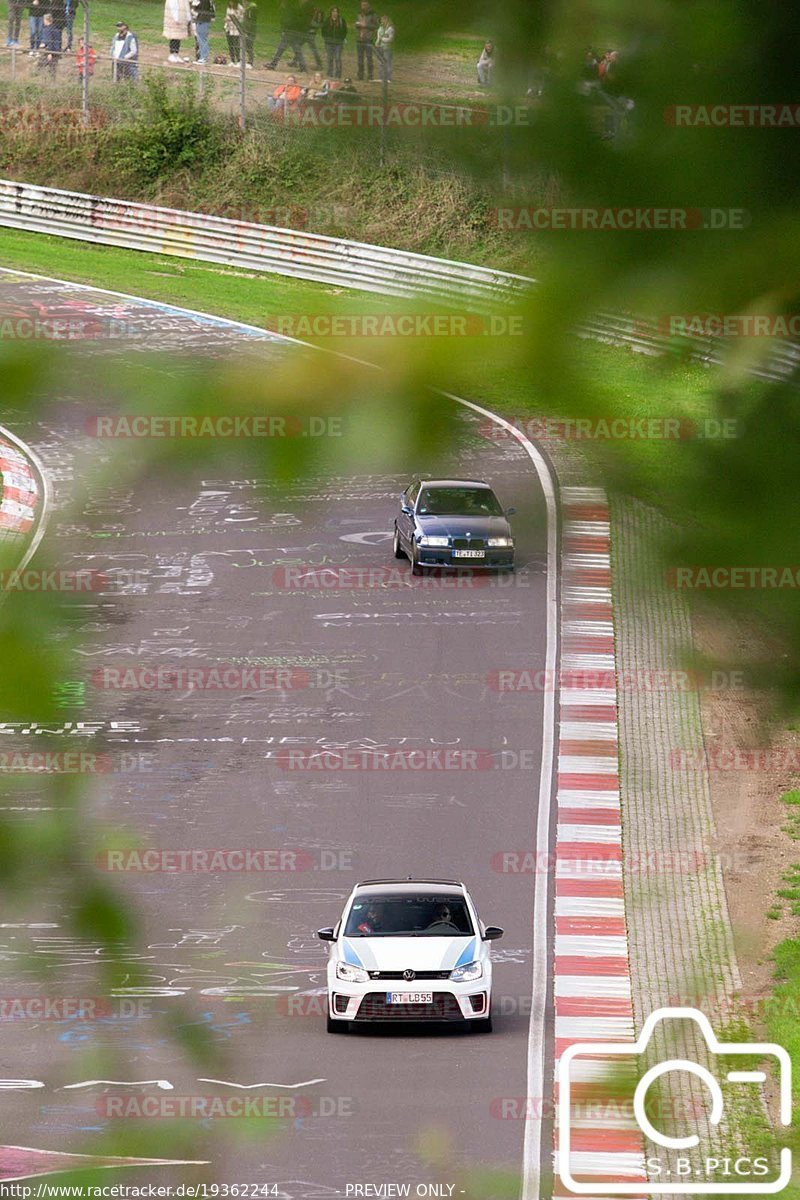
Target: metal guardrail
293	252
321	259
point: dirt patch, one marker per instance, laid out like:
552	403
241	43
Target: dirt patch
749	814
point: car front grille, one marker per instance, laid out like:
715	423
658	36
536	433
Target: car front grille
445	1007
417	975
462	543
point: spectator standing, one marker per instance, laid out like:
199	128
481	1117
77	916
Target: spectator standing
203	14
249	27
177	16
334	35
366	24
312	20
35	21
58	11
124	55
85	59
486	65
15	8
49	46
292	35
234	19
384	48
71	7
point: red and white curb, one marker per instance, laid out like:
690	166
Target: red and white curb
20	491
592	984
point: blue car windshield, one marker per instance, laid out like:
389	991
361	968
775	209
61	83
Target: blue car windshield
410	915
459	502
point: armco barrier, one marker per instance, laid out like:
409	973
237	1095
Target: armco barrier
322	259
292	252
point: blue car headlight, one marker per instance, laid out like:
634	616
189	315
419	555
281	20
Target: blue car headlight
500	541
351	974
428	540
464	974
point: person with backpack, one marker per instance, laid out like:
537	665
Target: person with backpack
334	35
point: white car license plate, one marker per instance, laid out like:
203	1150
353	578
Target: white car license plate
469	554
409	997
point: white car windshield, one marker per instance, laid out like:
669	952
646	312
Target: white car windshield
413	914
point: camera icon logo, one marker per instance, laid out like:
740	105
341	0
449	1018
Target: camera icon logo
682	1176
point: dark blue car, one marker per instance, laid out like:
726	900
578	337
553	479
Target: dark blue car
453	523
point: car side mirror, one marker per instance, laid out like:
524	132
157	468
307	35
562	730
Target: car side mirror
407	509
510	512
492	933
326	935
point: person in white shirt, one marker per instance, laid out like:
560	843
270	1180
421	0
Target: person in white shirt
486	65
384	48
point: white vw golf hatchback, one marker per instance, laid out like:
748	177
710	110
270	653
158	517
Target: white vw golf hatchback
409	950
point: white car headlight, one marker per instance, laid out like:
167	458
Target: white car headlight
464	974
427	540
500	541
351	974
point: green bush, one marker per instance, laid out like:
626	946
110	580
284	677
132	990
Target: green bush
171	129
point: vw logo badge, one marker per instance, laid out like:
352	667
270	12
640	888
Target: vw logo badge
408	975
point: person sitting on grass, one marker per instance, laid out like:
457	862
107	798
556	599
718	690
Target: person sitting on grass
285	96
318	87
